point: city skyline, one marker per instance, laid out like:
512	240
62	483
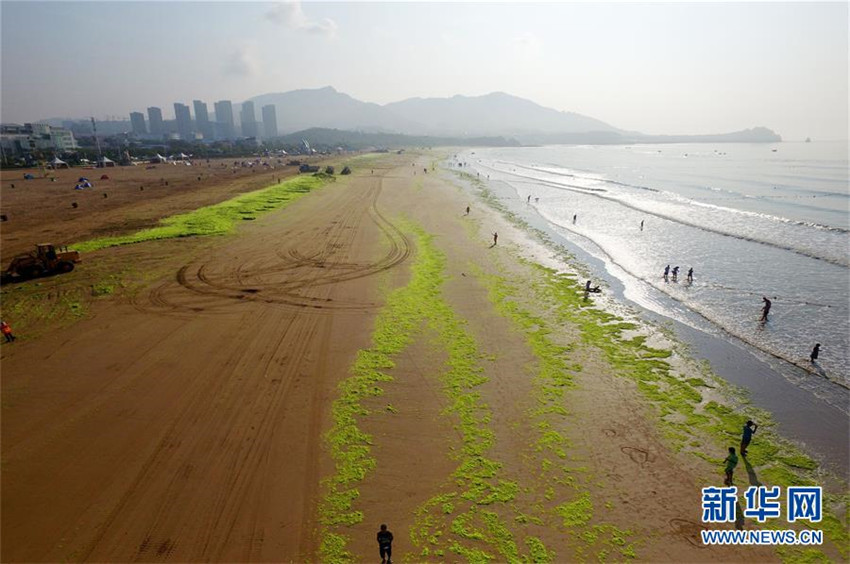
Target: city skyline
187	125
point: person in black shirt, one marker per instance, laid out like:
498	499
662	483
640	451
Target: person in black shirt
385	542
749	430
815	352
766	309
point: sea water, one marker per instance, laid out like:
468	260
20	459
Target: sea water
752	220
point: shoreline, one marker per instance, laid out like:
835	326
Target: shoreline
812	427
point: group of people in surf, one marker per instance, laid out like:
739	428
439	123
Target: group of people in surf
675	273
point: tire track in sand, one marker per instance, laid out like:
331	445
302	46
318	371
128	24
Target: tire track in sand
299	265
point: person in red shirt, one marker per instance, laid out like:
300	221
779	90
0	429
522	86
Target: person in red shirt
6	329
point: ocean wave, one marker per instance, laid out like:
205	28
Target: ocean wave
690	201
601	193
714	319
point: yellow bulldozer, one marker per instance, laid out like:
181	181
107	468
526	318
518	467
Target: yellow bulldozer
46	259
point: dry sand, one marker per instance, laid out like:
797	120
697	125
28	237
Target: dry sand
185	421
40	210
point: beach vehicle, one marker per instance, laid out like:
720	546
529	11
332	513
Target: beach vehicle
45	260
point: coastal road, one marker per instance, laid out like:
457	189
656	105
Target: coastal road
186	425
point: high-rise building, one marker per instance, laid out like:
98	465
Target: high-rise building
269	121
137	120
184	121
224	119
249	120
202	120
155	120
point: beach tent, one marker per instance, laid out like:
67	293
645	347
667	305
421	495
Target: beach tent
158	159
58	163
104	177
104	162
28	176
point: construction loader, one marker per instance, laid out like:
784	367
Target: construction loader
45	260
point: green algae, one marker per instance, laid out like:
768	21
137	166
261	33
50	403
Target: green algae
553	378
673	394
537	551
778	462
217	219
575	513
409	310
351	447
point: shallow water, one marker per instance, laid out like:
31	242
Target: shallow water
751	222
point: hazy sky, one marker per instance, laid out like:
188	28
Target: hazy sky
654	68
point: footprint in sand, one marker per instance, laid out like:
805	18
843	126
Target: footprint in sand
638	455
688	530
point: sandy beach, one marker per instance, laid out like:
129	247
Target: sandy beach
363	355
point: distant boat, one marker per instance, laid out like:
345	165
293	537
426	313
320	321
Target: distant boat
808	139
774	150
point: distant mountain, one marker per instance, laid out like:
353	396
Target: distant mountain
492	114
753	135
327	108
496	114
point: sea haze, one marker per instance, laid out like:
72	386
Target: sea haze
752	220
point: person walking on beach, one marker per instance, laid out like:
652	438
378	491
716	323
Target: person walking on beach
749	430
666	272
385	545
575	217
731	461
766	309
675	273
691	275
467	210
528	201
641	225
495	238
6	329
815	352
